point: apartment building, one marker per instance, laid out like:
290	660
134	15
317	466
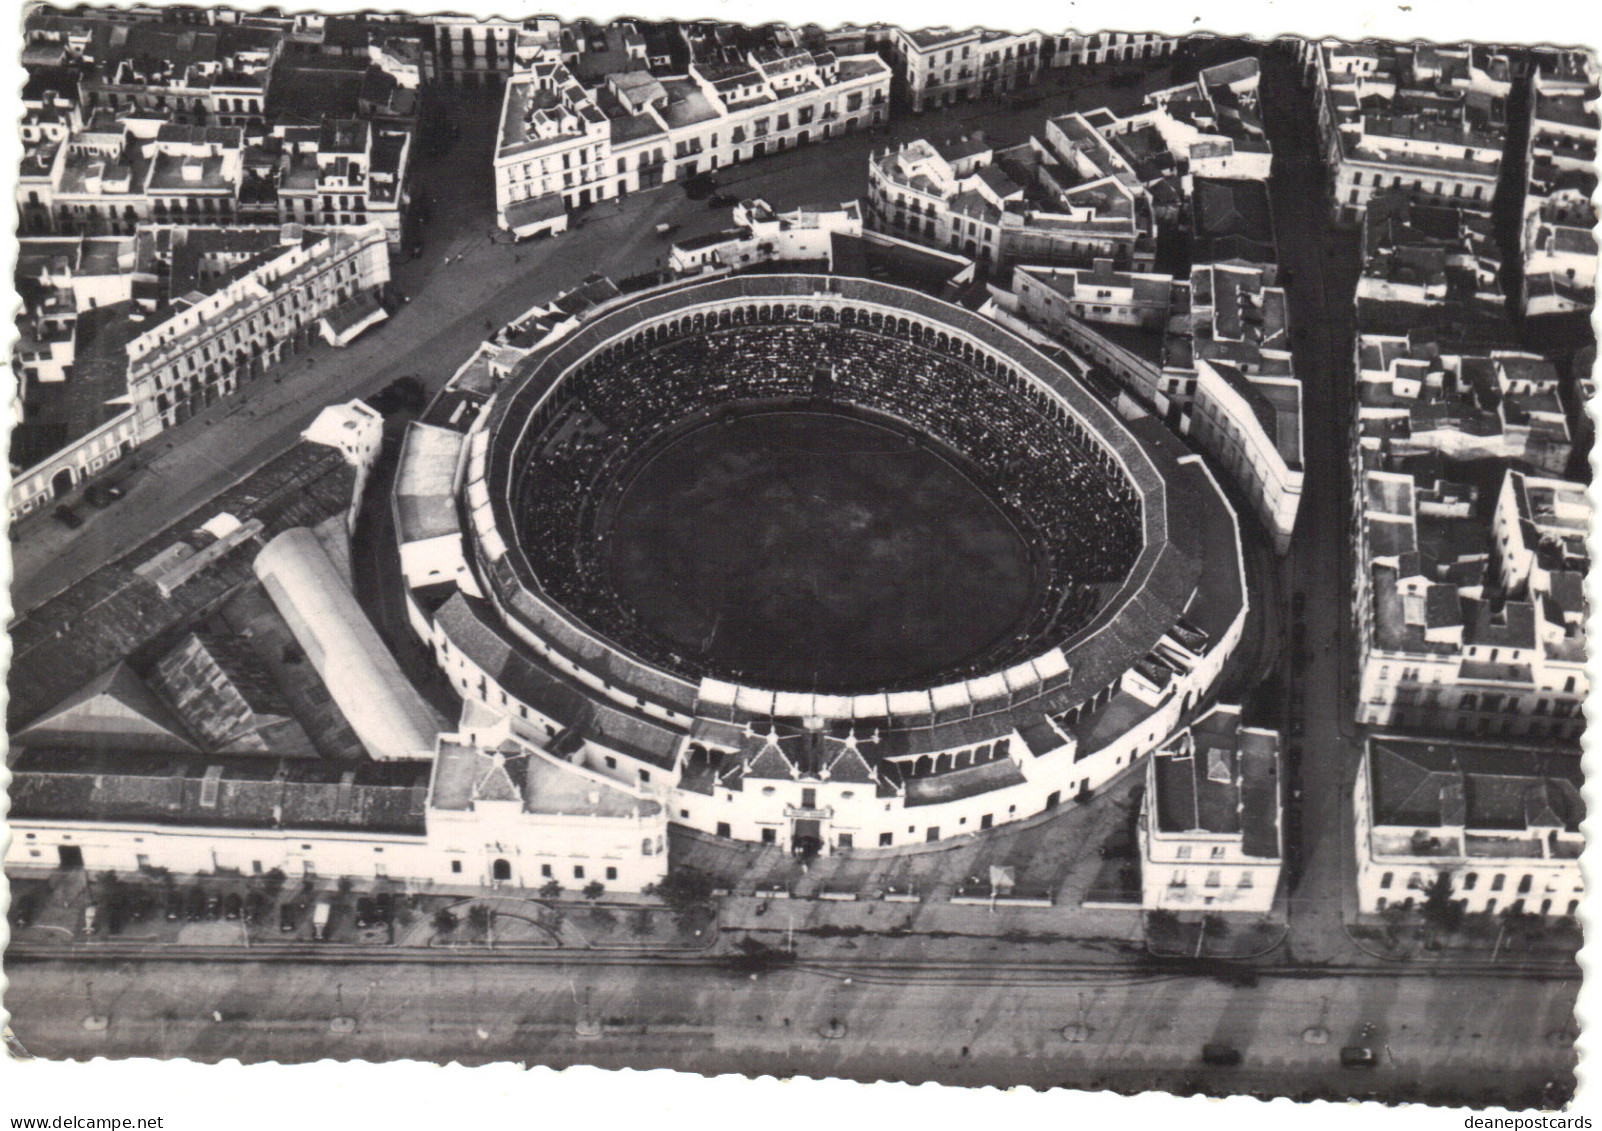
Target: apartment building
1108	47
940	67
1469	604
562	146
1426	118
1498	824
1416	395
236	302
1067	197
1211	836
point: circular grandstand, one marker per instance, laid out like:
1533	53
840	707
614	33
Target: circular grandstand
813	518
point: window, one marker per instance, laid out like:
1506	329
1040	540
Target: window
1182	852
1214	879
611	762
1470	880
770	836
1218	852
1497	881
1524	884
844	840
456	867
611	873
578	871
933	833
1387	879
723	829
545	871
886	840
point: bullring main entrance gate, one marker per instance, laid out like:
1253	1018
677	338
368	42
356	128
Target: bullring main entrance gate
806	836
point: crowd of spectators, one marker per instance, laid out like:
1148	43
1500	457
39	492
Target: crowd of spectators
1081	517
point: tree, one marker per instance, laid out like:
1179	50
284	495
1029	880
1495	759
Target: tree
480	918
551	889
444	921
1439	909
594	890
603	918
641	922
684	888
274	881
345	885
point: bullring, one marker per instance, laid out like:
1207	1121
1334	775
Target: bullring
1131	601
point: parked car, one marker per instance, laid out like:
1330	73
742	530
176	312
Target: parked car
722	200
102	495
214	907
665	229
174	904
89	914
289	917
1358	1056
233	905
384	907
320	915
68	517
195	905
365	915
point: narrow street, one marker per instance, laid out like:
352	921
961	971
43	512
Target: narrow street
1323	265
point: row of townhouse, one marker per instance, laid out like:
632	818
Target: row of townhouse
112	175
1426	118
161	324
1558	243
148	120
561	146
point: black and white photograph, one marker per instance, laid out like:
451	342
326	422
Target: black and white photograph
797	547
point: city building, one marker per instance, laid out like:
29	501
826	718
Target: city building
1431	119
1417	395
231	303
1107	47
483	810
761	235
1067	197
1470	605
939	67
1560	249
1211	835
562	146
1499	825
1212	358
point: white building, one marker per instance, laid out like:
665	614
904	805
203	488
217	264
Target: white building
1110	47
1470	611
1415	398
207	342
1210	831
1427	118
388	715
1501	823
1066	197
761	235
940	67
484	810
1046	295
558	150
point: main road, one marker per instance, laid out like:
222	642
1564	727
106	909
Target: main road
961	1024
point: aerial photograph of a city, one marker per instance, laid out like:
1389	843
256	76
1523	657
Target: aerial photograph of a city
863	552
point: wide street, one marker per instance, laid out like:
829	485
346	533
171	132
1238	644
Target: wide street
973	1023
468	280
